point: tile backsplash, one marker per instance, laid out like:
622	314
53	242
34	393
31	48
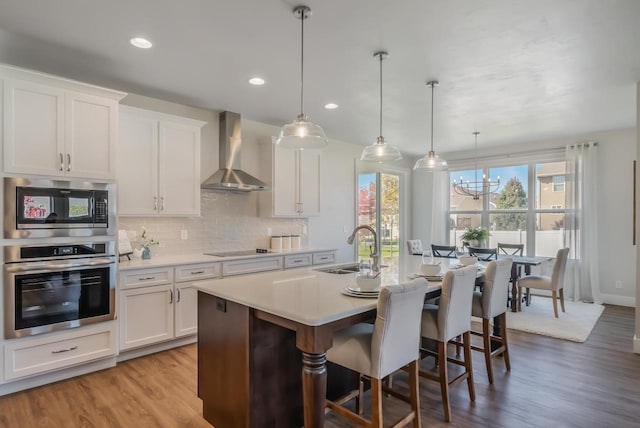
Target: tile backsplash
229	221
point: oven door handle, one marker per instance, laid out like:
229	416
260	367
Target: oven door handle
55	266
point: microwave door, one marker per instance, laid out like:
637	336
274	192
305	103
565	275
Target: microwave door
47	206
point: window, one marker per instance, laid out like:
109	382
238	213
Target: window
527	208
379	207
558	183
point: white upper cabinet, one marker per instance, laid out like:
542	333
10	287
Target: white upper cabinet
158	164
295	182
56	127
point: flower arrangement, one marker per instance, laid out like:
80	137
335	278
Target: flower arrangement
146	240
475	234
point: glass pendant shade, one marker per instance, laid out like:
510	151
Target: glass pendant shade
380	152
302	134
432	162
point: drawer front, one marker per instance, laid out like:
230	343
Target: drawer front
298	260
145	277
197	272
34	355
241	267
324	257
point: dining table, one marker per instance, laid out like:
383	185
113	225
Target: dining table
263	338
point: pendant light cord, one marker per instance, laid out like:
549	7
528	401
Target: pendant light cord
302	18
432	87
381	94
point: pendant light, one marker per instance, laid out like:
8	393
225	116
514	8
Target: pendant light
380	151
302	134
476	188
431	161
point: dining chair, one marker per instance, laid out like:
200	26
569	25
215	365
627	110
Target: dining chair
554	283
447	251
489	304
442	323
377	350
515	250
484	254
415	246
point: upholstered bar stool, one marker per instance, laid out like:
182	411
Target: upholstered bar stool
489	304
451	318
377	350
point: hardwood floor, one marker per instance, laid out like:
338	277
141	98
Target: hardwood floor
552	383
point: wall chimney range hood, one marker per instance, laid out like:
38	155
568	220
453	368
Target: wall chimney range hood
230	176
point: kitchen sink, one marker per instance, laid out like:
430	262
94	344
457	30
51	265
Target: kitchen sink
340	270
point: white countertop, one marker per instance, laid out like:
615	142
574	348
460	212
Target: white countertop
307	295
185	259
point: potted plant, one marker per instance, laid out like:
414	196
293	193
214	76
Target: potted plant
475	235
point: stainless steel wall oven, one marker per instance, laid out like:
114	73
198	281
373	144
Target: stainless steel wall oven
52	287
42	208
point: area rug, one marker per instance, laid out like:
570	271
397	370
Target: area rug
575	324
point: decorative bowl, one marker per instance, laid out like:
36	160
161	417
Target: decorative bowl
430	269
467	260
367	282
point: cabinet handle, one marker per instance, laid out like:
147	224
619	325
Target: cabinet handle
155	203
178	295
298	261
68	162
198	272
324	258
146	278
161	203
170	296
301	207
60	351
61	162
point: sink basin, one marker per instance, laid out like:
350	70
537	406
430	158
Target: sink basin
340	270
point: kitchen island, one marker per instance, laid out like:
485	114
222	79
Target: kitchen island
257	334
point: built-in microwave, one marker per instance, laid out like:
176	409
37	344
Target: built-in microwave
42	208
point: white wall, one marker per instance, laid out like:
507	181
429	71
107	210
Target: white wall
618	254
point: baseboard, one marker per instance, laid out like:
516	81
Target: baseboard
636	344
159	347
609	299
614	299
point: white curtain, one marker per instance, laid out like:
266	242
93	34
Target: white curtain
582	275
440	207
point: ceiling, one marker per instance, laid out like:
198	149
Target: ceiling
516	71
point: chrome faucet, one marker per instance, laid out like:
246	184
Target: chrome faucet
373	251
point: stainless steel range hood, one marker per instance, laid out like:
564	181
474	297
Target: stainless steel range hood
230	176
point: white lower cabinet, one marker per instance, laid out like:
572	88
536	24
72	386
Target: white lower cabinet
53	351
154	308
297	260
324	257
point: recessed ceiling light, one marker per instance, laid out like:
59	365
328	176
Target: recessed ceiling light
331	106
257	81
141	42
